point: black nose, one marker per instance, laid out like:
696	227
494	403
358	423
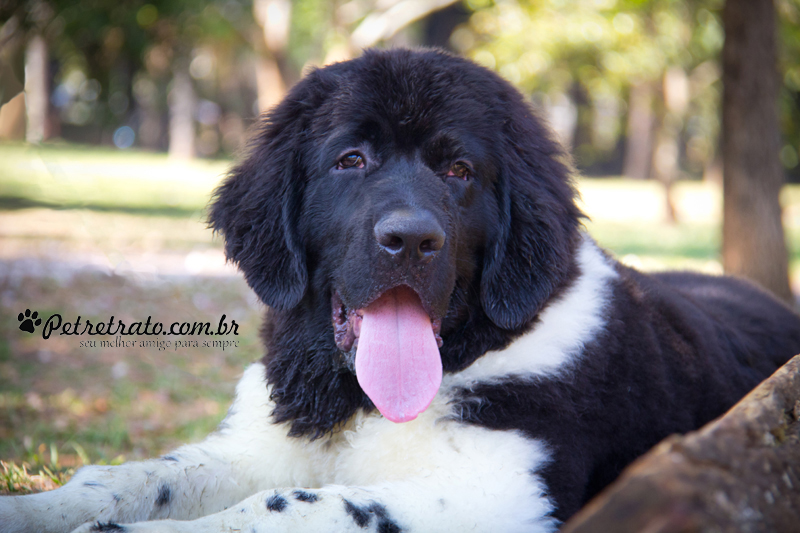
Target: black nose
413	234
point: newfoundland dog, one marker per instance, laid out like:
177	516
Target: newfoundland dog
446	349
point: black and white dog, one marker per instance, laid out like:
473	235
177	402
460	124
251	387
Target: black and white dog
446	349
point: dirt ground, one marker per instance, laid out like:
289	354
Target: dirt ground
67	400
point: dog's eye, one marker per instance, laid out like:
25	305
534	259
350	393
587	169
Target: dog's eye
460	171
352	160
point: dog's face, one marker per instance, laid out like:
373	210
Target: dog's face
409	195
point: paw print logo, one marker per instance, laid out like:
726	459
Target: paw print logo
29	321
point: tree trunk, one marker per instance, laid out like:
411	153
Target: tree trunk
181	114
666	156
269	81
12	119
36	90
11	58
582	132
639	134
272	78
753	242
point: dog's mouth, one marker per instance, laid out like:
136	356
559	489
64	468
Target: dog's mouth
347	325
396	345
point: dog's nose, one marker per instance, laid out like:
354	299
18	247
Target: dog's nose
413	234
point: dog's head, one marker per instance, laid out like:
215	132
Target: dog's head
415	197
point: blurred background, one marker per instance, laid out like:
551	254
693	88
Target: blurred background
119	117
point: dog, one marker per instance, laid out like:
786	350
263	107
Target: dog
446	348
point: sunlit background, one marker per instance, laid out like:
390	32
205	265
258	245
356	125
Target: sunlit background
119	117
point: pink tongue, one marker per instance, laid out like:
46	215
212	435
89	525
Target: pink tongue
397	360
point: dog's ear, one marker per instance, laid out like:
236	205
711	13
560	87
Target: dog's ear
257	206
531	254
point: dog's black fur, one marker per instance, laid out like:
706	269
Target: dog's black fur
677	349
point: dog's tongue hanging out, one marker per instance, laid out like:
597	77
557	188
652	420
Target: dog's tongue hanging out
397	359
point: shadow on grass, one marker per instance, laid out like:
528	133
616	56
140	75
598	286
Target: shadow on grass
12	203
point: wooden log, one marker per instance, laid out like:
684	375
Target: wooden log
740	472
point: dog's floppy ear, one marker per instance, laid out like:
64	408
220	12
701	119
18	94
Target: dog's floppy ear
531	254
257	205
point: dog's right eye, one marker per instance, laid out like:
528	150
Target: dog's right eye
352	160
459	170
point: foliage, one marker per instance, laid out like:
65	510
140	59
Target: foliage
789	114
116	58
604	47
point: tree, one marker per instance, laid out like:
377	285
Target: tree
36	89
274	18
753	242
622	57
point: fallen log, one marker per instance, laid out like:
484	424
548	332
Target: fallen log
740	472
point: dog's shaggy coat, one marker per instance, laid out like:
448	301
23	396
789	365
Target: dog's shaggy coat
421	172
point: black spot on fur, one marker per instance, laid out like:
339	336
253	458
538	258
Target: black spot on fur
276	503
360	515
107	527
117	497
385	524
169	458
164	495
304	496
92	484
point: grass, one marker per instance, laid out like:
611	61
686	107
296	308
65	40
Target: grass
99	232
18	479
104	179
96	232
63	405
628	218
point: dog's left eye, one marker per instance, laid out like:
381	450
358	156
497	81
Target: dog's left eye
460	171
353	160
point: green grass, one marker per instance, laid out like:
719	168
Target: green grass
104	179
21	479
628	218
